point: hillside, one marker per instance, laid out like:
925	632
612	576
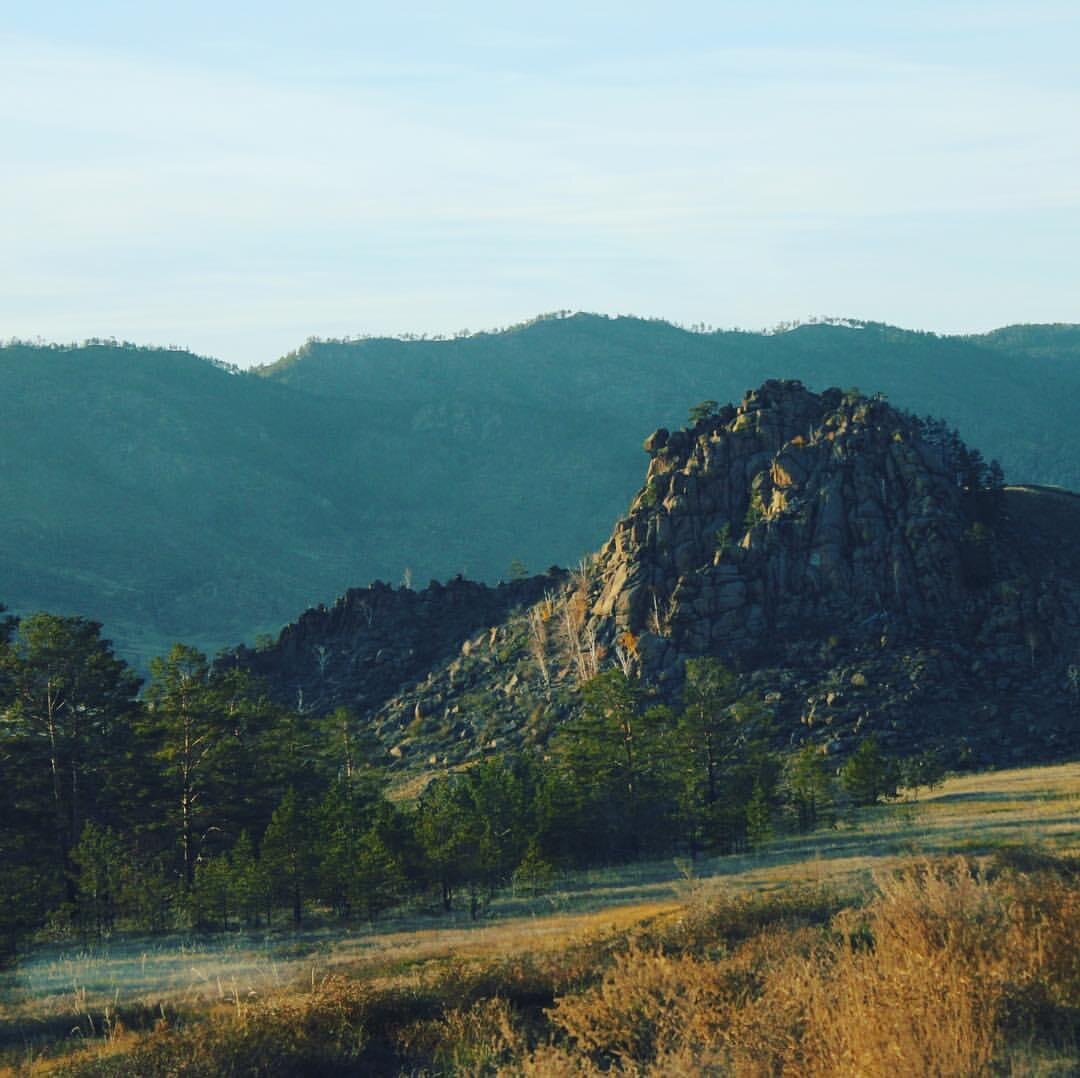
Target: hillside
618	376
175	499
169	497
858	567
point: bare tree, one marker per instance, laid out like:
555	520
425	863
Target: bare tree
539	615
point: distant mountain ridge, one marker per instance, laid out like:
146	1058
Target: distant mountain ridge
173	498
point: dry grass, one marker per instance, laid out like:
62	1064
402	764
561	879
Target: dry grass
948	970
870	950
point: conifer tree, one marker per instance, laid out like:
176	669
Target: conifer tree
99	860
187	723
287	854
868	775
247	881
613	755
809	787
71	702
724	750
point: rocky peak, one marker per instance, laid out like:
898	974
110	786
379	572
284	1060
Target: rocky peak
793	506
857	567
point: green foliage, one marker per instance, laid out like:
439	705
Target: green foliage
722	745
211	898
288	854
191	722
71	704
868	776
925	769
344	746
535	874
249	886
808	788
453	837
380	872
759	828
99	860
358	873
474	829
705	410
612	754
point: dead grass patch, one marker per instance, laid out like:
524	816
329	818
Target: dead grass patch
834	954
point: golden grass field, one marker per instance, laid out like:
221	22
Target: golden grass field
931	936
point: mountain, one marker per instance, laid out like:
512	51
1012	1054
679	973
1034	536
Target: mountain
589	383
861	569
167	496
174	498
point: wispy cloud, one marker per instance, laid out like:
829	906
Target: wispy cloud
421	179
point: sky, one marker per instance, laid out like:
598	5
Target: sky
237	177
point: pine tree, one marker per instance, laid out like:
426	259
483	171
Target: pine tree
187	722
809	787
868	776
450	837
612	754
287	855
247	881
758	818
722	742
211	898
99	860
72	701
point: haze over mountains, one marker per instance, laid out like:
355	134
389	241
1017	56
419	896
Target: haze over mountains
173	498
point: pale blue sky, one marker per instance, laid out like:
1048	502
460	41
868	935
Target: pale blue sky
236	180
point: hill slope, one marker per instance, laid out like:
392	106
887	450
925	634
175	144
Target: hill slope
173	499
855	565
168	497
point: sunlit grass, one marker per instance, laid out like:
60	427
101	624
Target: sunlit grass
427	972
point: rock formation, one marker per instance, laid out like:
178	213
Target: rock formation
792	509
375	640
858	567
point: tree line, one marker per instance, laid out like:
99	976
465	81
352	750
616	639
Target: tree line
198	803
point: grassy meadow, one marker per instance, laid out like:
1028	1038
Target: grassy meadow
932	935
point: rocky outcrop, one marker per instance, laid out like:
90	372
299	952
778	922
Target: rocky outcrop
373	641
791	509
860	570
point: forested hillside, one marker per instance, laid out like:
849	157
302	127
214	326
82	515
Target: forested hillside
174	498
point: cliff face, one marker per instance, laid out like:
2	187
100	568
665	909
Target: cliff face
791	511
859	569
